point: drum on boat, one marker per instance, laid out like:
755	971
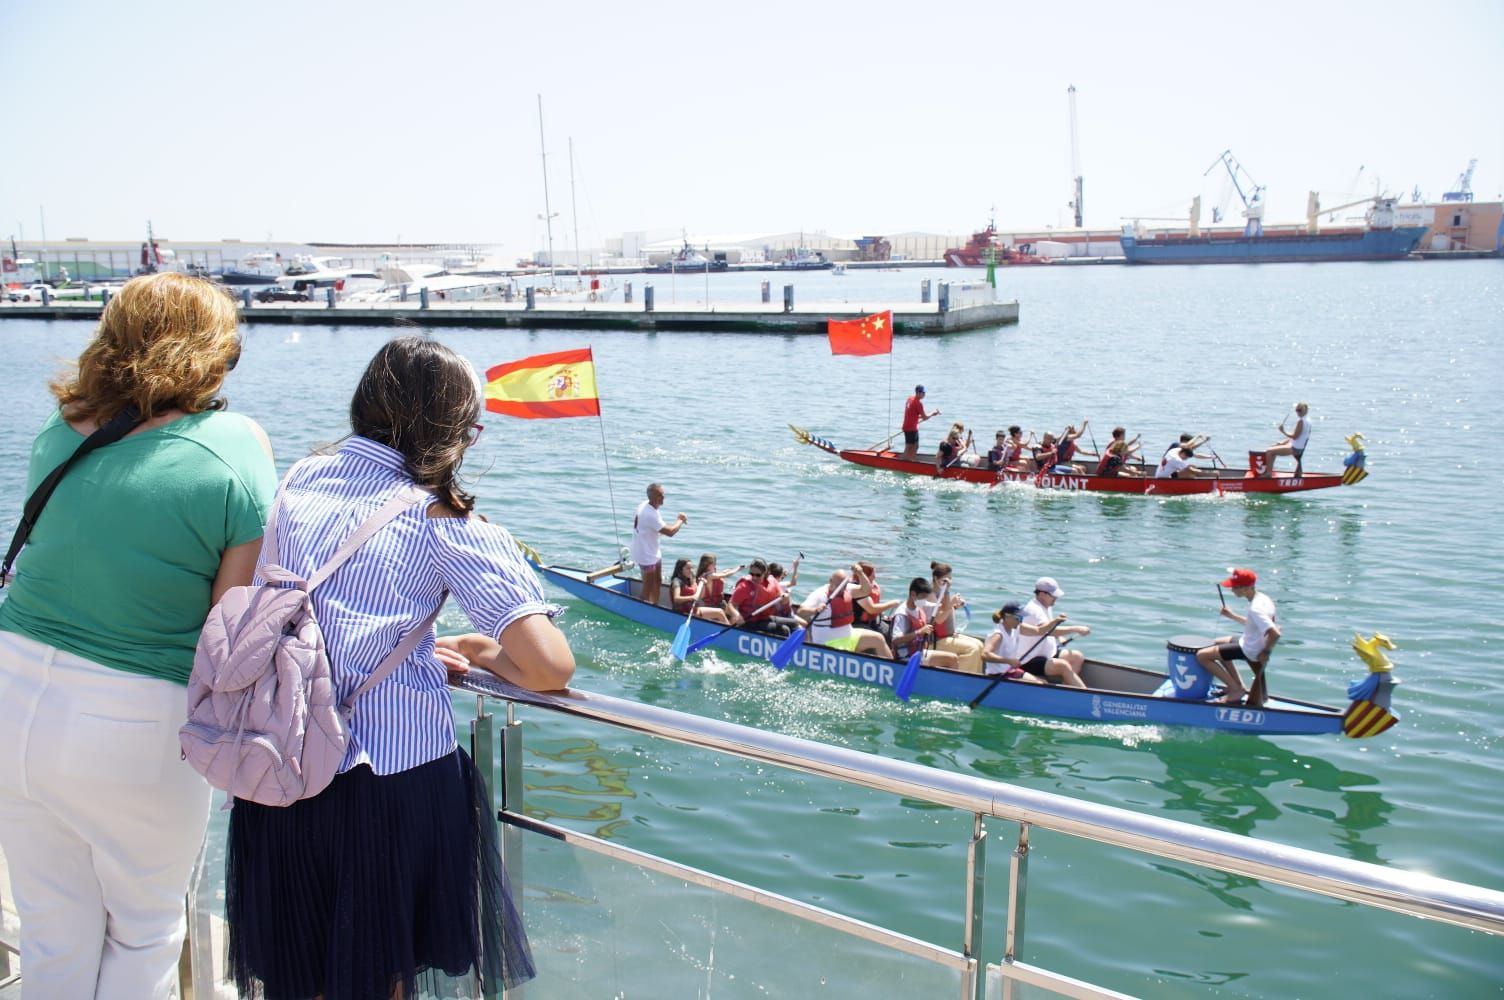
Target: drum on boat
1190	680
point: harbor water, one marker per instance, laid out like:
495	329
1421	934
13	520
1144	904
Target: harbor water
1406	353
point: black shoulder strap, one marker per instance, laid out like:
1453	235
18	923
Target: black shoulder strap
118	427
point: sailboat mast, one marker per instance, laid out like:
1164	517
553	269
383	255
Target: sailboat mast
548	215
574	213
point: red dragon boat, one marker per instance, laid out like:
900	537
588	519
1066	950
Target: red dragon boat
1081	477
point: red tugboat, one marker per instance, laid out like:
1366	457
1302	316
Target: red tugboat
975	252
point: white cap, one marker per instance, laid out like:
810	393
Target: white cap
1049	586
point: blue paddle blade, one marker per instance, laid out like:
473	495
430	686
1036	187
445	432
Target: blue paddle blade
680	649
700	644
786	650
905	686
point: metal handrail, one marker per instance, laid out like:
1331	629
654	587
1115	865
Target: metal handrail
1411	893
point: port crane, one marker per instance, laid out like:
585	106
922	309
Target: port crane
1075	157
1253	205
1464	191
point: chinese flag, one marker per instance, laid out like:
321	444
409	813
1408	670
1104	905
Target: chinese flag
546	385
868	335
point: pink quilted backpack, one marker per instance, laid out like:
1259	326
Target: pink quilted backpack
263	724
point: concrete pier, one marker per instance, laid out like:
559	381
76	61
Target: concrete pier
774	317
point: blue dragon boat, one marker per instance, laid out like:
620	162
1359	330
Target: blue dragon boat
1114	693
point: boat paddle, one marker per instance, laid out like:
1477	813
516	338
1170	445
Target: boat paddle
1022	660
680	647
786	649
700	644
1221	598
905	685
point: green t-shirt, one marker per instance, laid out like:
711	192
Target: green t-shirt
120	564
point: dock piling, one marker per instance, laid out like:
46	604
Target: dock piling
924	290
532	297
423	297
788	298
626	292
767	291
329	297
944	297
647	297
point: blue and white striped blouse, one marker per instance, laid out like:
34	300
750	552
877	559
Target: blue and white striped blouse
387	587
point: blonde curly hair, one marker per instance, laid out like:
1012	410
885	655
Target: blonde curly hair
165	342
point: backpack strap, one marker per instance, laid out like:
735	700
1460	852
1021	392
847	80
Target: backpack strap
395	658
404	499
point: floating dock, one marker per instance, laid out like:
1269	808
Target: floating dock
908	318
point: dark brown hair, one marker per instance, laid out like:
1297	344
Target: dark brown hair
420	399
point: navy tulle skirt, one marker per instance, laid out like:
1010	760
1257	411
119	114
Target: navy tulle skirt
378	882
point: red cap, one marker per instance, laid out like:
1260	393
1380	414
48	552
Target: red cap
1241	578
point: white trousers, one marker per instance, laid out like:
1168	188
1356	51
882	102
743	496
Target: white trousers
100	823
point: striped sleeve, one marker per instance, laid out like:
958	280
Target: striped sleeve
484	571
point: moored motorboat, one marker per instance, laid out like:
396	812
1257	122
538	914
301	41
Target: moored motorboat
1114	692
1081	477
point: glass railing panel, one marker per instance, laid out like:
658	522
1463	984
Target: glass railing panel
604	927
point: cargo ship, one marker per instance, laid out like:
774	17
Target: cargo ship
1381	239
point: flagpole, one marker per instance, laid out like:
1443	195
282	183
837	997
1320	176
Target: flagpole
610	490
890	389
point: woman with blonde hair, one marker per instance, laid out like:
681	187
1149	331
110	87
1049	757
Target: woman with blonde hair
100	819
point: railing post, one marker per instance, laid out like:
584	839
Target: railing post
976	897
1018	884
483	754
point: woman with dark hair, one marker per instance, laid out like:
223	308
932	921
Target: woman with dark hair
389	882
948	637
686	593
100	819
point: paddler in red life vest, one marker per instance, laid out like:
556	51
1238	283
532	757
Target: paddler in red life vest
870	610
1067	448
1119	451
757	597
913	416
828	612
914	627
713	587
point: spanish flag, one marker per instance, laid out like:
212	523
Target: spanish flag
561	384
868	335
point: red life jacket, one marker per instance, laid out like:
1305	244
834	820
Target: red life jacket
863	617
917	619
1064	450
715	590
841	613
947	628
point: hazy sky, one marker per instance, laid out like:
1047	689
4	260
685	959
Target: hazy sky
372	121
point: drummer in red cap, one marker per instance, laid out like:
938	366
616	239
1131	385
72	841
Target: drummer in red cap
1260	633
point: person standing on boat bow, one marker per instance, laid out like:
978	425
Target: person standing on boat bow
647	526
1260	633
1294	443
913	416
